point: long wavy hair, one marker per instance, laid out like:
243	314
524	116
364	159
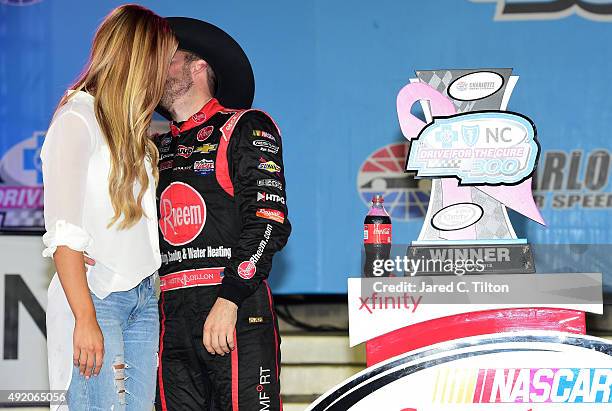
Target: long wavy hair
126	73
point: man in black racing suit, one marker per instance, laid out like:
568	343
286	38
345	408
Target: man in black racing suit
222	216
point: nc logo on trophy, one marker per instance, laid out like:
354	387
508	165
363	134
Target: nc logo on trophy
480	158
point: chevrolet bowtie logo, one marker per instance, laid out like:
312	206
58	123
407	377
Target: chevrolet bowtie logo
206	148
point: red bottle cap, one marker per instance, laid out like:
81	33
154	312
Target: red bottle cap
378	199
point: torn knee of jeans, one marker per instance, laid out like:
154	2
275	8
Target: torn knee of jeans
119	367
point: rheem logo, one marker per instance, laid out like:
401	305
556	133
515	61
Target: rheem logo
182	213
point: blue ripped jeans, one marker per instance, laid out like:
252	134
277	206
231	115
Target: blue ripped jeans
130	325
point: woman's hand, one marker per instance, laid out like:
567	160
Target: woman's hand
88	346
88	260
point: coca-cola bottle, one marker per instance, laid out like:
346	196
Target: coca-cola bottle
376	238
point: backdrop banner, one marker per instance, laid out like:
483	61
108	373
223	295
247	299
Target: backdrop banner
24	278
329	73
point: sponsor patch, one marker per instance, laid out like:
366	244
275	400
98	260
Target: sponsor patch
203	167
166	141
270	197
266	146
270	183
205	133
198	118
256	320
247	270
182	213
182	168
265	378
264	134
269	166
164	165
184	151
207	148
271	214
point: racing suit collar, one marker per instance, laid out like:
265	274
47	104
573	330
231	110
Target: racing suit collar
210	109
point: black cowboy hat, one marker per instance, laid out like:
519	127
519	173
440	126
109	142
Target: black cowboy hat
235	81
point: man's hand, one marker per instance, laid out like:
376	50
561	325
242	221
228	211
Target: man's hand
218	336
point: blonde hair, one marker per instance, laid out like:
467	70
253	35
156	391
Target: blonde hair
126	74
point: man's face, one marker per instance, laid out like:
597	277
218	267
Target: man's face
179	80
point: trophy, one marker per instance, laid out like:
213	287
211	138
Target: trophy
481	159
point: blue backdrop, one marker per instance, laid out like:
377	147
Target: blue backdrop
329	72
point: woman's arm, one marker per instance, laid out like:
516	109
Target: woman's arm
88	349
65	160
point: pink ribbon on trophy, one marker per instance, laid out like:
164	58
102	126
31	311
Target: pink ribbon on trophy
517	197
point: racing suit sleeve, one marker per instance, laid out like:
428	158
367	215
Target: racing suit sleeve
256	167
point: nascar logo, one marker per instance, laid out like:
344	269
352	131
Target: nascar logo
523	385
264	134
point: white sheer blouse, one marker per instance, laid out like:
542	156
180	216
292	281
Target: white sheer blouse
77	207
76	165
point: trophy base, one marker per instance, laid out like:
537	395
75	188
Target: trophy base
472	257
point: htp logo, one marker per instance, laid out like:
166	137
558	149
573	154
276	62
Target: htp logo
598	10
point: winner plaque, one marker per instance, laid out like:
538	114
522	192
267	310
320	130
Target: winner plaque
480	158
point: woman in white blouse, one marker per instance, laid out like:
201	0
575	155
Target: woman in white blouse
100	173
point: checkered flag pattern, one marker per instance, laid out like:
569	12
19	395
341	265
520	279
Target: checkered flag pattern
435	203
23	220
452	163
492	225
440	80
